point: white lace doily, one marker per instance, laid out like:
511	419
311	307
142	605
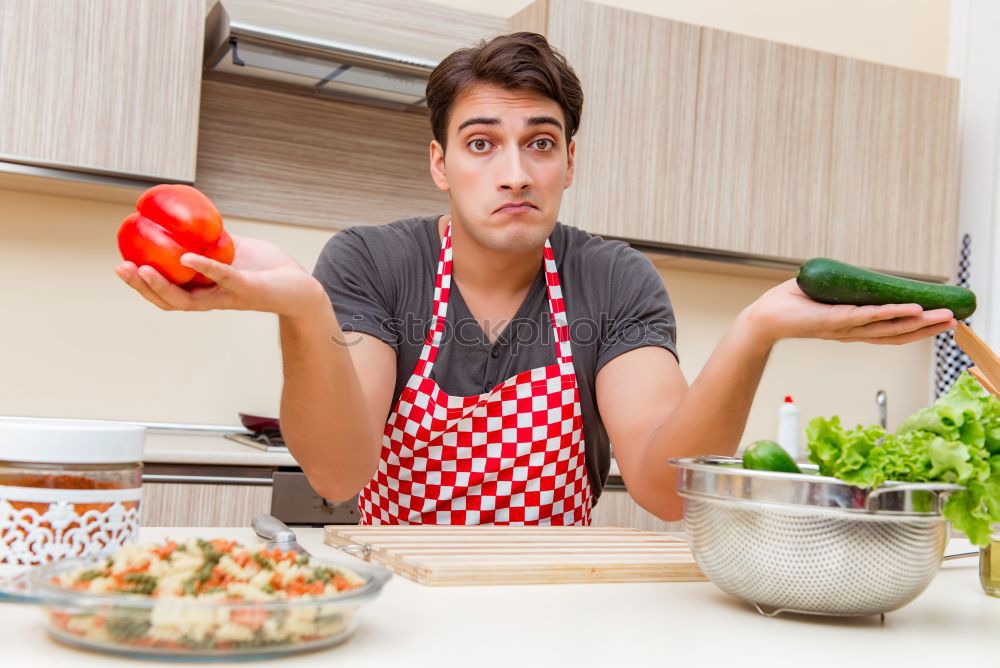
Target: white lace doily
29	537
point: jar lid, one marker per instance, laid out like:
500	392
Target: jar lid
67	441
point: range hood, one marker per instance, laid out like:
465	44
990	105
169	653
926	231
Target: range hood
264	49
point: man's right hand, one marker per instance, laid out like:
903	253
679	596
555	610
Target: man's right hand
262	277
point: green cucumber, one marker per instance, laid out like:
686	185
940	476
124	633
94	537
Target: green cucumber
831	282
769	456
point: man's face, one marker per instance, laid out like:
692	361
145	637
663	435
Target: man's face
504	147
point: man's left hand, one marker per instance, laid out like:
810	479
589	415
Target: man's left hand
785	312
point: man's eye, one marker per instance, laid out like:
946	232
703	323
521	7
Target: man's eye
543	144
479	145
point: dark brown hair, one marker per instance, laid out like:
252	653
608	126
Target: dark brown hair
518	61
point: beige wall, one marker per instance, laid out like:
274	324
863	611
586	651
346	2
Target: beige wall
824	377
76	342
904	33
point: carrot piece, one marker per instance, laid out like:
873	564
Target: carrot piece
252	617
60	619
141	568
296	586
164	551
218	578
223	546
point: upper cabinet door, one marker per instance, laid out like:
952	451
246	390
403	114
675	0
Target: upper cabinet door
105	86
894	175
635	145
713	141
761	176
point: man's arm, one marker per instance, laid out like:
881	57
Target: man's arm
652	415
335	399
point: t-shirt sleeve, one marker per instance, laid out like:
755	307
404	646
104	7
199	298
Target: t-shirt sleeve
640	310
361	300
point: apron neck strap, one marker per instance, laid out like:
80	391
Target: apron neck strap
442	293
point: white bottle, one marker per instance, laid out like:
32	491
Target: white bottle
788	427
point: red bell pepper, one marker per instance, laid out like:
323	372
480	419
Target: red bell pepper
171	220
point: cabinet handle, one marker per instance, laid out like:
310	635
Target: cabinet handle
217	479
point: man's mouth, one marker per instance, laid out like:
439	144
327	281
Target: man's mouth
516	207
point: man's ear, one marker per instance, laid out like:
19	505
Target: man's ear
438	172
571	162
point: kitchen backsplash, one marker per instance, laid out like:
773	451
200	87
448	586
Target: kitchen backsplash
76	342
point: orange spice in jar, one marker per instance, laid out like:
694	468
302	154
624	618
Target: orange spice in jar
68	488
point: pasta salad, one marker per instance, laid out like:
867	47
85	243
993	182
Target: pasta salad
179	582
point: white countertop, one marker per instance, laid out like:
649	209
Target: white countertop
194	448
603	624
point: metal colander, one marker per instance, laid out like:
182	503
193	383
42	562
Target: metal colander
808	543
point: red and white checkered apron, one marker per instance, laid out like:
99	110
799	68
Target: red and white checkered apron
513	455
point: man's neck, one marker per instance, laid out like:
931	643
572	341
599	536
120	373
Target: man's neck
484	270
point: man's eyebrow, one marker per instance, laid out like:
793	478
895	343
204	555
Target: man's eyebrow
480	120
534	120
544	120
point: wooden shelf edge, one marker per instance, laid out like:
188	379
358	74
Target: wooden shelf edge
67	183
671	256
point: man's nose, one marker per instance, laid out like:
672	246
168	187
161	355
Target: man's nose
514	174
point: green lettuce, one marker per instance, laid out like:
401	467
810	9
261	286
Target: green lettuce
956	439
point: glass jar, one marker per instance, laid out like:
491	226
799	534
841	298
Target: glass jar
68	488
989	565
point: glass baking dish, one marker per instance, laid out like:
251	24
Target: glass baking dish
191	629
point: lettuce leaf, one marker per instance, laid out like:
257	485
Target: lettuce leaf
956	439
851	455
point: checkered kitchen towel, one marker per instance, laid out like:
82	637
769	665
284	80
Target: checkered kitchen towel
951	361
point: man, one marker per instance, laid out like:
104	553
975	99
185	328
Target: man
474	367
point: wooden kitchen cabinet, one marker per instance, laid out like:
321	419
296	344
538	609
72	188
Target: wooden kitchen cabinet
760	182
695	138
636	137
894	174
206	505
189	504
355	165
616	508
102	86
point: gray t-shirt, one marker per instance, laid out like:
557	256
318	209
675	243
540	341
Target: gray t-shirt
380	280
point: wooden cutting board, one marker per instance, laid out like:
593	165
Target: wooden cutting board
479	555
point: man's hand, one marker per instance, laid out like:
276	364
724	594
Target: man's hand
785	312
262	277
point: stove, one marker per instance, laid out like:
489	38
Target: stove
293	500
261	441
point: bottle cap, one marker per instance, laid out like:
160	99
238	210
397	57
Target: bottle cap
788	399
